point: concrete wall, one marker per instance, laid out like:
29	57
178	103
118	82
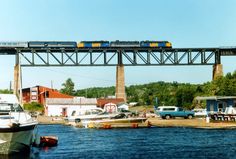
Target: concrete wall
57	110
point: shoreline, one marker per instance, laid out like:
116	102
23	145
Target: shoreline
198	123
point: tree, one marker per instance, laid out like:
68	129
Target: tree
6	91
34	106
68	87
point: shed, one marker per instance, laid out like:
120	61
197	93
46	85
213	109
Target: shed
65	107
218	103
122	106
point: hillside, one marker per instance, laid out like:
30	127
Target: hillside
179	94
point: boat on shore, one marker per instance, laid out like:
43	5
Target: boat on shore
132	122
88	115
16	126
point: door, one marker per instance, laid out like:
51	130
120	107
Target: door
64	111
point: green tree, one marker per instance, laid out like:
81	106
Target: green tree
68	87
34	106
5	91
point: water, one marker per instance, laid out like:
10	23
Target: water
137	143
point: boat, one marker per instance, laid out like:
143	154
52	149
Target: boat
119	120
131	122
81	118
48	141
16	126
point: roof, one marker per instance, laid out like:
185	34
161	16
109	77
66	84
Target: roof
102	101
215	97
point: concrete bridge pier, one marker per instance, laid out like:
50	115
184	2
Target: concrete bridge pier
120	82
217	71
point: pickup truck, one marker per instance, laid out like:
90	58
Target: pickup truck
172	112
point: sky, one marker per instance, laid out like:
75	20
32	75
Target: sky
185	23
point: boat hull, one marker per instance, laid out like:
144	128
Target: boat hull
17	140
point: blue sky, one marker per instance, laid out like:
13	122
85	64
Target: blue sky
185	23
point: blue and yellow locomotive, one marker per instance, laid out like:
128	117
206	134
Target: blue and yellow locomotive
87	44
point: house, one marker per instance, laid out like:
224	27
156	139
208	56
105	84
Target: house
218	103
40	93
66	106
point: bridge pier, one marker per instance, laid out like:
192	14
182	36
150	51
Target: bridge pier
120	82
217	71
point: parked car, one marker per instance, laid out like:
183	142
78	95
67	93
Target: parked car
200	112
167	112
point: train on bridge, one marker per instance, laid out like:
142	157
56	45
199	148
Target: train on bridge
85	44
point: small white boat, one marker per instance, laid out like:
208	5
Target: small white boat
88	115
16	126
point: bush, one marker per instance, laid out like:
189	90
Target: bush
34	106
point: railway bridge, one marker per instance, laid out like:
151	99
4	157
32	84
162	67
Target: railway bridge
119	57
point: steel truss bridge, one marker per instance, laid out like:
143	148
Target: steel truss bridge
117	56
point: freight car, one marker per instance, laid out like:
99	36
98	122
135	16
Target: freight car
91	44
52	44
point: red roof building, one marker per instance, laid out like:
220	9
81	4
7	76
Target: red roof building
40	93
102	101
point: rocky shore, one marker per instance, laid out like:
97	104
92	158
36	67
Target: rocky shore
50	120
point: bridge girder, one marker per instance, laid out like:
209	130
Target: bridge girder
118	56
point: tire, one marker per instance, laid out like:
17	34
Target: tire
167	117
190	116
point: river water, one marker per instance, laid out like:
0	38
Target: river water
136	143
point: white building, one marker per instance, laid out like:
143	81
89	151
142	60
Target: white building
65	106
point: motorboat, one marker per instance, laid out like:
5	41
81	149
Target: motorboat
16	126
131	122
81	117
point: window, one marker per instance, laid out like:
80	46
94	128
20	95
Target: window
46	94
168	109
6	107
220	107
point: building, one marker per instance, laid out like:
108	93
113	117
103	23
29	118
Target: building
39	94
66	106
102	101
218	103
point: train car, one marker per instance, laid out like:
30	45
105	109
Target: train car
15	44
159	44
93	44
118	43
52	44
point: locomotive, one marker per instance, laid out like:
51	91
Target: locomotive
86	44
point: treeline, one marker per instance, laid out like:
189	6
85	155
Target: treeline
179	94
